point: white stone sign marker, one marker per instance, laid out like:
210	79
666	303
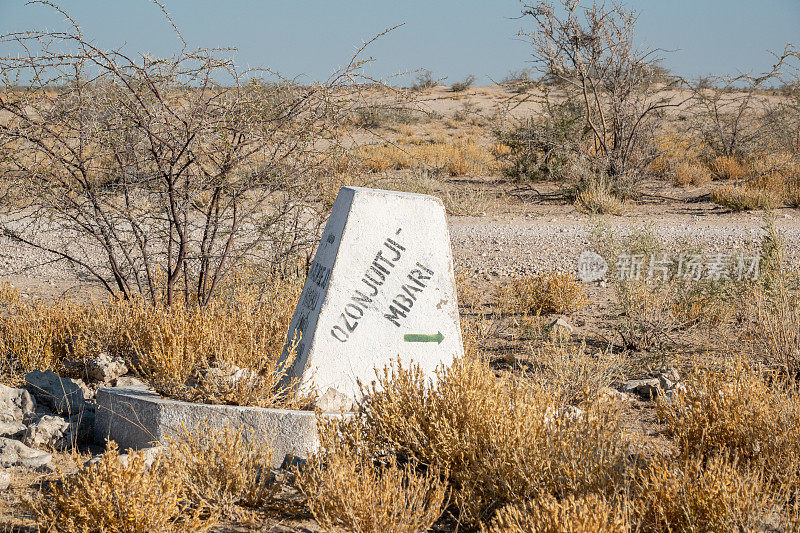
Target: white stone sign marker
381	286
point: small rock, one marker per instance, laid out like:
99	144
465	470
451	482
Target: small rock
15	404
561	326
11	430
62	395
104	368
614	394
5	480
130	382
48	432
670	374
228	373
334	401
15	453
644	388
150	455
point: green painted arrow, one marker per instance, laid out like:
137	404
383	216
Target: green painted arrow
419	337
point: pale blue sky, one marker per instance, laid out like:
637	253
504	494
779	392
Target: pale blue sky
452	38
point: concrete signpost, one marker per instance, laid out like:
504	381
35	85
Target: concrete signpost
381	286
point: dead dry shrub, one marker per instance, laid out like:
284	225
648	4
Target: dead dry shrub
673	149
572	373
541	294
691	173
346	487
775	312
695	494
646	321
589	514
220	469
468	201
122	498
793	193
460	158
597	198
741	413
591	54
186	166
500	439
726	167
746	197
710	304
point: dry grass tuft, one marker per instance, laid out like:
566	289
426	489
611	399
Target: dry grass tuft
673	149
589	514
220	469
775	328
225	352
346	488
745	197
500	439
200	477
738	413
572	373
598	199
541	294
725	167
700	495
457	158
691	173
793	193
121	498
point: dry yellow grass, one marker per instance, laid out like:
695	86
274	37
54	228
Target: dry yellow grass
541	294
168	346
702	495
598	199
120	498
572	373
345	488
589	514
775	313
793	193
739	413
674	148
746	197
726	167
500	440
201	476
691	173
455	158
220	470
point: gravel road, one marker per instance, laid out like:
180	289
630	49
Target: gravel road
494	246
512	246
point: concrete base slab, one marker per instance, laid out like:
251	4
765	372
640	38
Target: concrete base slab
139	418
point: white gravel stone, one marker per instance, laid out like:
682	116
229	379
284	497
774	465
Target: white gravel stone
15	453
15	404
104	368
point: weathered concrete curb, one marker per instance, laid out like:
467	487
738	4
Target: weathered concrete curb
137	418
